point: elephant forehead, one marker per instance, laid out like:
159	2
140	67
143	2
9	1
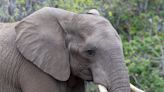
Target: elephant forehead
92	17
103	39
98	29
103	32
89	20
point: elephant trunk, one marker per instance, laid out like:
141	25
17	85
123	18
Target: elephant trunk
118	79
112	73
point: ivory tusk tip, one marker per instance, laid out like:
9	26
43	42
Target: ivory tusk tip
102	88
135	89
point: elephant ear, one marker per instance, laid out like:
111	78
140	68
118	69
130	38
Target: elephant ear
40	39
93	12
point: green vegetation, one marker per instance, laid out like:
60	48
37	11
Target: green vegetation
140	24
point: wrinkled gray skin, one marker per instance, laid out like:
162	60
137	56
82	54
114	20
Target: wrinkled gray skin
54	50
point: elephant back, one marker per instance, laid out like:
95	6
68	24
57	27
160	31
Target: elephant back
9	63
7	40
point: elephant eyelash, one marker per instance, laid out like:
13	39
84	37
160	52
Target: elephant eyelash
91	52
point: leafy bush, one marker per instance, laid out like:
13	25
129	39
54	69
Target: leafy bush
143	57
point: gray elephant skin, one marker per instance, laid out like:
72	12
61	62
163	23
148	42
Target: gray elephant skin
54	50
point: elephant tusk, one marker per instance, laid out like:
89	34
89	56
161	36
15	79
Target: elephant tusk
135	89
102	88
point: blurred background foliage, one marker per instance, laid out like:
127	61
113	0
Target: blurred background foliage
140	23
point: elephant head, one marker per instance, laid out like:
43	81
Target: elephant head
63	43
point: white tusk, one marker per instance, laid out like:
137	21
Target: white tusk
102	88
135	89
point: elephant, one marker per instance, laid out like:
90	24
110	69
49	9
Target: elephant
55	50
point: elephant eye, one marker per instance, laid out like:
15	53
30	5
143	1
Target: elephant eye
91	52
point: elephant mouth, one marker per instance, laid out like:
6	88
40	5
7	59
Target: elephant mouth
86	75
